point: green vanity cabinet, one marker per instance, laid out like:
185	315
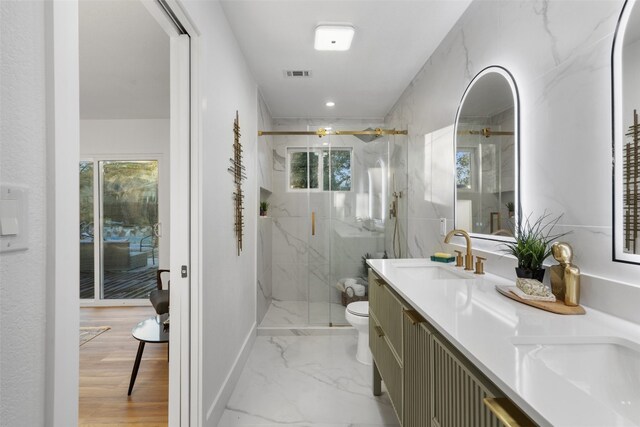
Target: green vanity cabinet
458	390
416	373
388	365
387	307
430	383
385	338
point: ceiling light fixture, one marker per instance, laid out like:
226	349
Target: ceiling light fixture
330	104
334	37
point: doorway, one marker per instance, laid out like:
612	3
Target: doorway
134	219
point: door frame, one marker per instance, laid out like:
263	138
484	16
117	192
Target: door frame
185	391
63	155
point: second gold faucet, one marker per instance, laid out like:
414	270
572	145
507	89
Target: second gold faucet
468	259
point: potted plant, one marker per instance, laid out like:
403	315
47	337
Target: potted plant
264	206
533	245
511	209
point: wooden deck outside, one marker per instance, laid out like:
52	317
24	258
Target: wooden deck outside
105	370
121	284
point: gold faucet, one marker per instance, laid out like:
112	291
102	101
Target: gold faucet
468	259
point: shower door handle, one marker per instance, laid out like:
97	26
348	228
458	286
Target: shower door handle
313	223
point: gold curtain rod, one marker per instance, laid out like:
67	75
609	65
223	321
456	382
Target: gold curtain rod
323	132
486	132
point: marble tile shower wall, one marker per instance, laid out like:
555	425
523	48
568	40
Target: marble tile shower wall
264	288
559	53
302	264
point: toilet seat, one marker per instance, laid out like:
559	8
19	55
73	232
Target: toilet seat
359	308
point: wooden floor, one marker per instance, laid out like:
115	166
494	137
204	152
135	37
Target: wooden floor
105	371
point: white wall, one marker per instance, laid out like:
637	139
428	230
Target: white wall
132	139
229	281
559	53
124	136
264	288
23	161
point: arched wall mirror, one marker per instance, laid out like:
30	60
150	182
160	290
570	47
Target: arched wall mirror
486	156
626	134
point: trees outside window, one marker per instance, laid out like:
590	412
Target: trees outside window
320	169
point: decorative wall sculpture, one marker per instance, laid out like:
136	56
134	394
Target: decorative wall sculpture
238	172
631	184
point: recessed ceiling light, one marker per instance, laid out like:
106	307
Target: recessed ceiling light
330	104
334	37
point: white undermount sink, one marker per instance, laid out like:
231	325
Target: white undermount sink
606	368
430	272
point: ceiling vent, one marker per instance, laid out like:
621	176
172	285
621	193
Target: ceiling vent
297	73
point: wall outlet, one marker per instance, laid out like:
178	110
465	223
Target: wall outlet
443	226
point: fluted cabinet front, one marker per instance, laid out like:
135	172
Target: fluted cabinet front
416	384
458	393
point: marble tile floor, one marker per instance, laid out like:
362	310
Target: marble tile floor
306	381
303	313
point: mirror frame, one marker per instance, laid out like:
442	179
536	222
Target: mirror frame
618	254
516	133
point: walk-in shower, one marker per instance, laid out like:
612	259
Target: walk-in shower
329	209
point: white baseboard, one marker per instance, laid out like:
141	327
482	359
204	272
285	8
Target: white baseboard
220	402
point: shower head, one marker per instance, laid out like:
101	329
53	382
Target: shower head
367	138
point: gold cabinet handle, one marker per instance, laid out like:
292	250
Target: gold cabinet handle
413	316
379	331
381	282
508	413
313	223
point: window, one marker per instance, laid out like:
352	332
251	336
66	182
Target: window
319	169
464	164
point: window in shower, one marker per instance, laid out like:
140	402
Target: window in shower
464	169
319	169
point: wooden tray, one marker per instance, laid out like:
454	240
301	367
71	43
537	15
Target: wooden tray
557	307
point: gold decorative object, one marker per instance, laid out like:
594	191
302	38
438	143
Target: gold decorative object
486	132
631	182
565	277
323	132
238	172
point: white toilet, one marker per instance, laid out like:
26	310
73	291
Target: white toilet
357	314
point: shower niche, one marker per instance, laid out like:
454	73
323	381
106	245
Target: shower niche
330	210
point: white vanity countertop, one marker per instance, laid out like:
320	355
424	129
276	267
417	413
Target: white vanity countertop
555	367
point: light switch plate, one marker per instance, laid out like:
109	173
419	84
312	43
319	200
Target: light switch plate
13	218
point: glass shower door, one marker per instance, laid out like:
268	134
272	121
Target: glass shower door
358	175
318	256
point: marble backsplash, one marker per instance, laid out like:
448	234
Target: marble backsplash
559	53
